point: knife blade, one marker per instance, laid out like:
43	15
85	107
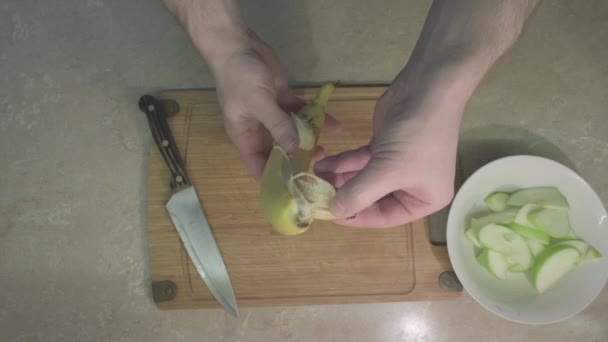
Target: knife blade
186	212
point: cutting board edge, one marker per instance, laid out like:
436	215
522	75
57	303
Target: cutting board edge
309	301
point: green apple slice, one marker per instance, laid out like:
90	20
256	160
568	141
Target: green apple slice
551	265
547	197
498	217
530	233
472	233
535	247
506	242
497	201
581	246
515	267
478	222
493	262
554	222
592	254
522	217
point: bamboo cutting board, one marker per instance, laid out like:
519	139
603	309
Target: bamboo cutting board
328	264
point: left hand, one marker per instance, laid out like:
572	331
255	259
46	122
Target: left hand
407	170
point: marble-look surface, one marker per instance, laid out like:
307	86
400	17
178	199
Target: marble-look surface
73	149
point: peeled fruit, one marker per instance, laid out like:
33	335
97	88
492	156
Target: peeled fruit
291	197
317	193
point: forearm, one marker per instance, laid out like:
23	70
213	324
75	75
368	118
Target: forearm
215	27
462	39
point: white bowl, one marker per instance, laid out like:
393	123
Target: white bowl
514	298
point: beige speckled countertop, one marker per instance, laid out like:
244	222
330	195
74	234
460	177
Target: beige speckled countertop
73	149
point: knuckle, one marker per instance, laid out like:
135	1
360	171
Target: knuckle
264	96
284	135
278	126
259	103
251	100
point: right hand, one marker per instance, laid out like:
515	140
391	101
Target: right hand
255	97
407	170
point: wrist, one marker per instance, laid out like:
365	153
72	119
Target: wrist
215	28
219	46
450	81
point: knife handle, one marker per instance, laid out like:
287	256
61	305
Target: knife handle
164	141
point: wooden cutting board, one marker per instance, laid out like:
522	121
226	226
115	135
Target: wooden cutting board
328	264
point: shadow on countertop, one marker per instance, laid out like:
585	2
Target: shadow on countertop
481	145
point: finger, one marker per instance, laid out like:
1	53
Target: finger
389	211
374	181
253	150
280	126
342	178
318	153
337	179
288	101
253	144
353	160
332	125
254	163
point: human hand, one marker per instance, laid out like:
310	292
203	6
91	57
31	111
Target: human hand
407	170
251	83
254	94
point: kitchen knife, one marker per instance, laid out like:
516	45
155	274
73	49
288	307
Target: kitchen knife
186	212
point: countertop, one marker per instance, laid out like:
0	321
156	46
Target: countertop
74	149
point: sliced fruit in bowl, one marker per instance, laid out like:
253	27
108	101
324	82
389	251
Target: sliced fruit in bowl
525	238
528	240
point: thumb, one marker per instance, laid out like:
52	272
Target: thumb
280	126
373	182
288	101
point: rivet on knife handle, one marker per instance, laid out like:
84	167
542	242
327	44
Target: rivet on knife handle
164	141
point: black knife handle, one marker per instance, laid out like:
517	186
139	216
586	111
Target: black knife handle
164	141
